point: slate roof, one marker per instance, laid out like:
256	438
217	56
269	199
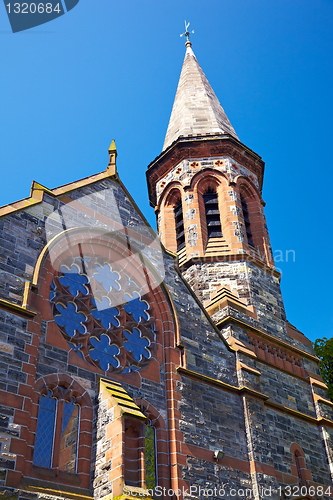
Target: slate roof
196	109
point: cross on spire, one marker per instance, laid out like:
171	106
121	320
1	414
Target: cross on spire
187	33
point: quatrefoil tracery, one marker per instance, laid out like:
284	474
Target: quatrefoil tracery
102	315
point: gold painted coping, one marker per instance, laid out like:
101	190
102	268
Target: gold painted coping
124	401
37	191
55	493
242	366
245	390
219	383
318	383
175	315
225	295
15	308
323	401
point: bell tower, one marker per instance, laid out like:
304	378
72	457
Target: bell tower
206	188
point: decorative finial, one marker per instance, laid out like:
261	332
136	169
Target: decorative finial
187	34
112	156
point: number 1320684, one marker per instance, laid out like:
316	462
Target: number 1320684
33	8
297	491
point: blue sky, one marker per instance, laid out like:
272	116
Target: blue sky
109	69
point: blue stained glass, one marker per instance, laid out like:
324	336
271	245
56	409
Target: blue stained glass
45	431
152	329
130	369
77	348
105	313
137	344
68	411
104	352
53	291
137	307
69	436
84	259
98	319
70	319
73	280
107	277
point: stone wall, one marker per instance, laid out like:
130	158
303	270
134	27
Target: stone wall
195	387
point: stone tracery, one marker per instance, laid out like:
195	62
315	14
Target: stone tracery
117	338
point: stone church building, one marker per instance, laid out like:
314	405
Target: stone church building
131	369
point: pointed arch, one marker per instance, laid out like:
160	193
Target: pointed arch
64	445
251	210
298	466
171	227
243	182
209	175
165	195
209	188
156	421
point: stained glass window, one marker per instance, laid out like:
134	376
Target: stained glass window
137	307
102	315
136	344
57	416
45	430
70	319
104	352
73	280
150	457
69	437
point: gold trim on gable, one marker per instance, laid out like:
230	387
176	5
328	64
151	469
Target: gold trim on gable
15	308
38	190
122	398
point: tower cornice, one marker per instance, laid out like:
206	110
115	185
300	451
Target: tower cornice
187	148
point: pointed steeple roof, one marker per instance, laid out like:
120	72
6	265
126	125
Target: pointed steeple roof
196	110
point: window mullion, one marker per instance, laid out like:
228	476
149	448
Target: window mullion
58	434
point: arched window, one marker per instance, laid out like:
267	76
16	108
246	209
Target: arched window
298	465
180	234
133	453
212	212
140	454
138	436
150	456
57	434
247	221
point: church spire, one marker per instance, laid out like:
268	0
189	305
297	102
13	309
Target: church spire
196	109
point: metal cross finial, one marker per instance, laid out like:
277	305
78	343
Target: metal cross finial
187	33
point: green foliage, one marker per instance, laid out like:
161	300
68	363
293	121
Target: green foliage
324	350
